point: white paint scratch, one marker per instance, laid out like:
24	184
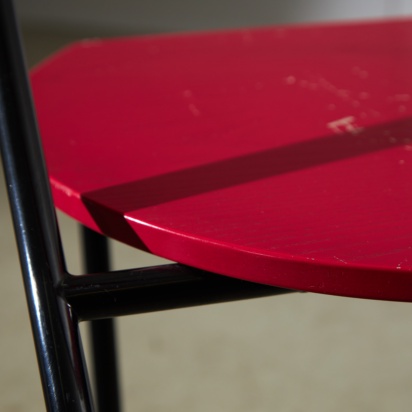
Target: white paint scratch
62	188
345	124
340	260
342	94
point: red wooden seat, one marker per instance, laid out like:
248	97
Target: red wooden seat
277	155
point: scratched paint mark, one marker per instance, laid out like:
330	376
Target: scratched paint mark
399	266
187	94
343	94
290	80
399	98
340	260
359	72
327	85
195	111
62	188
313	87
345	124
402	97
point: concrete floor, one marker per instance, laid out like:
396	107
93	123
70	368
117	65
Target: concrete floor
300	352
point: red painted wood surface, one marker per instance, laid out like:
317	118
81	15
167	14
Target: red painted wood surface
277	155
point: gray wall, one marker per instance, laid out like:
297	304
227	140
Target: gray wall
165	15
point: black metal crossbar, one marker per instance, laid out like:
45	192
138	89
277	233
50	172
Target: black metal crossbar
105	295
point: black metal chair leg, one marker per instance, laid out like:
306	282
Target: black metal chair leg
55	328
105	365
102	332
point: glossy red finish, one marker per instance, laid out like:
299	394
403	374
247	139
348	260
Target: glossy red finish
277	155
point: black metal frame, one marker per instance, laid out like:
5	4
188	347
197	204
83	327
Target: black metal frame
57	301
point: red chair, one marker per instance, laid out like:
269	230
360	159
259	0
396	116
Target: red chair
277	157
